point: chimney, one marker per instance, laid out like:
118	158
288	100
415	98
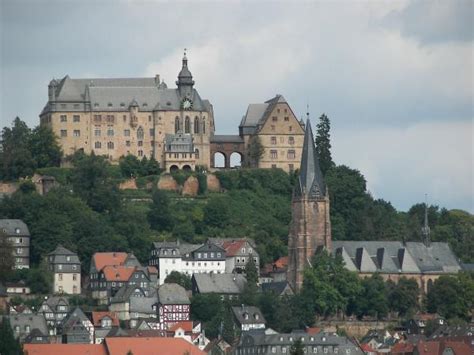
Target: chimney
157	79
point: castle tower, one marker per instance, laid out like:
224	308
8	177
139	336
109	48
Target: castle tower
310	227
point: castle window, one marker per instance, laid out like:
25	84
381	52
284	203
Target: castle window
97	118
274	166
110	145
196	152
63	118
203	126
124	118
273	127
286	111
77	133
273	154
140	143
187	125
287	119
291	140
152	132
140	153
274	118
291	167
176	124
274	140
64	133
76	118
110	118
278	110
290	128
196	125
127	143
110	132
140	133
291	154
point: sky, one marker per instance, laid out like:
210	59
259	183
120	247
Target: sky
394	77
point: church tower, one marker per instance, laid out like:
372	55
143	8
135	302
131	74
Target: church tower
310	227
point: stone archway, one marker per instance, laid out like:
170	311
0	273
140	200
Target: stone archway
219	160
235	160
173	168
187	168
226	145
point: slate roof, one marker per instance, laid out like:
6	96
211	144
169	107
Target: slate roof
310	181
75	316
142	304
10	227
60	254
395	257
171	293
35	321
230	284
125	292
254	315
226	139
54	301
276	287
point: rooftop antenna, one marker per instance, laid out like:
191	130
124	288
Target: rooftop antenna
425	230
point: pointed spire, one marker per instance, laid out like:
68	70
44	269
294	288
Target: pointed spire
311	181
425	230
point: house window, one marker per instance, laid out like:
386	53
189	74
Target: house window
76	118
291	154
110	145
60	277
290	128
98	145
74	277
63	118
77	133
126	132
291	140
110	118
60	267
274	119
64	133
274	140
74	289
273	154
97	132
110	132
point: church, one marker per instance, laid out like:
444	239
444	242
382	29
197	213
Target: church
310	231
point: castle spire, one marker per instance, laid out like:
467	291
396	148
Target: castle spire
311	182
425	230
185	78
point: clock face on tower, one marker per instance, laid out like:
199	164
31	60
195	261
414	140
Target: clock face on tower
187	104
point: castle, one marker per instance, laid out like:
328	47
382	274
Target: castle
310	231
175	126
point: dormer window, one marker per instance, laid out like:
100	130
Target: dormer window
17	230
109	104
246	316
68	258
243	250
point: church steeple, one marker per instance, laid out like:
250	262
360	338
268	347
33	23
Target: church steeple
185	78
425	230
311	182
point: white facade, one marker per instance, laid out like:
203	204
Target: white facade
67	283
188	267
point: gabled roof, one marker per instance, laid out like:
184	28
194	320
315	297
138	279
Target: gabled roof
220	283
54	301
143	304
171	293
98	316
248	315
142	345
100	260
125	292
12	226
118	273
61	349
187	326
60	250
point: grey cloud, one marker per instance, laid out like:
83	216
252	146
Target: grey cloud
434	21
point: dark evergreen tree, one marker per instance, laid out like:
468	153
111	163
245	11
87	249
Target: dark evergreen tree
297	348
6	257
179	278
8	344
255	152
323	143
160	216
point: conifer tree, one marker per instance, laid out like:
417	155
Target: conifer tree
323	143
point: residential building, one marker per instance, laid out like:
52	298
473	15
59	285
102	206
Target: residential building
279	131
173	305
279	288
249	318
187	259
417	324
23	324
66	269
17	288
103	323
54	310
238	252
37	337
228	286
257	342
276	271
17	233
77	328
117	117
132	302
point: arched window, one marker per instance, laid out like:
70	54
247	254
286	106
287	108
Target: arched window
110	145
187	125
204	126
196	124
140	133
176	125
196	152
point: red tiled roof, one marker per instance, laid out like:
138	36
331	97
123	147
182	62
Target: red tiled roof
61	349
402	348
313	330
187	326
103	259
97	317
459	347
366	348
428	347
150	346
282	262
118	273
232	247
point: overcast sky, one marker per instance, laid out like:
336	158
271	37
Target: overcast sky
395	77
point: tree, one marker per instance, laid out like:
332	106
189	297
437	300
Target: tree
160	216
251	271
373	301
403	296
44	147
255	151
8	344
179	278
323	143
7	260
228	326
297	348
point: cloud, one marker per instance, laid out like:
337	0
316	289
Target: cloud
401	165
436	21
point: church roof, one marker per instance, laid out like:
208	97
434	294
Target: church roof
311	182
396	257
